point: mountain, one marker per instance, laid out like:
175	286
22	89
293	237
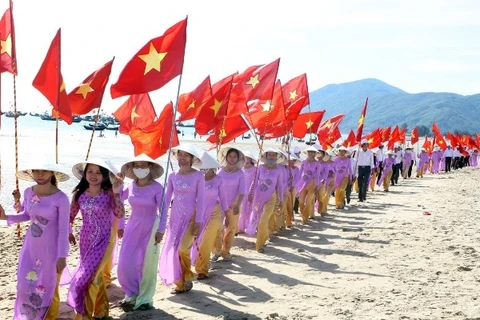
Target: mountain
389	106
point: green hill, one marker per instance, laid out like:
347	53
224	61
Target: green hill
388	105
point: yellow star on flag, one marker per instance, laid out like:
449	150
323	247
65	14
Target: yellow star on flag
361	121
191	105
134	114
328	124
253	81
160	141
223	133
62	86
7	46
309	124
216	106
370	140
267	106
293	94
84	89
152	59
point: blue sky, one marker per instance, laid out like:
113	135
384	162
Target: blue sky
417	46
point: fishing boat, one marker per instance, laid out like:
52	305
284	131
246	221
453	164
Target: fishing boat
113	127
91	125
47	116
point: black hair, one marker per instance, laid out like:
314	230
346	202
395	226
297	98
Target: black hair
83	184
233	150
53	180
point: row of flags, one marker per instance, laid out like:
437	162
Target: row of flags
253	100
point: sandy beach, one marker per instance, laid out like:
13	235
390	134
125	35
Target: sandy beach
382	259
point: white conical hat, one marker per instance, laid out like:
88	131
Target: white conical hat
156	170
192	150
79	168
280	157
223	154
311	148
252	155
42	163
208	161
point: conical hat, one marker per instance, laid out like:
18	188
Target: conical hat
280	157
192	150
223	154
209	162
79	168
252	155
41	164
156	170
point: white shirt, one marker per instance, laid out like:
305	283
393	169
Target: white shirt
456	154
380	155
398	156
365	158
448	153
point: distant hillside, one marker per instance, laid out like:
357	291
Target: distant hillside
389	105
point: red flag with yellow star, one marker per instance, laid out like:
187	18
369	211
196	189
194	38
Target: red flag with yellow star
154	140
307	123
190	104
385	133
214	110
89	94
361	121
157	62
8	57
350	141
264	113
295	89
232	128
374	138
49	81
136	112
257	82
414	136
439	138
327	128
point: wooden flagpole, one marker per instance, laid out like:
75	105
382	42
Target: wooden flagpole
93	133
15	119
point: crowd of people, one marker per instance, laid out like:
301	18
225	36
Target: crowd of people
205	204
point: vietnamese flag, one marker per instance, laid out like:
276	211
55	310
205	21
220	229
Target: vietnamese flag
414	136
295	89
265	113
327	128
307	123
232	128
257	82
439	138
385	133
49	81
190	104
8	57
374	138
136	112
350	141
361	121
214	110
154	140
89	94
155	64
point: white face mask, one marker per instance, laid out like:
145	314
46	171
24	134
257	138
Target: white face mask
141	173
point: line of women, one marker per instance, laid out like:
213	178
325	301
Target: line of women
207	202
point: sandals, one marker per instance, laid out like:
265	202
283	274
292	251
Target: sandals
202	276
188	287
145	307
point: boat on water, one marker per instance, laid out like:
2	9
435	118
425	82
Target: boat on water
11	114
91	125
47	116
112	127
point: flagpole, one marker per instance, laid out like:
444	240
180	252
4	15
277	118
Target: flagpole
15	119
93	133
173	127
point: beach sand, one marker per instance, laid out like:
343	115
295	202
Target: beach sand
383	259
